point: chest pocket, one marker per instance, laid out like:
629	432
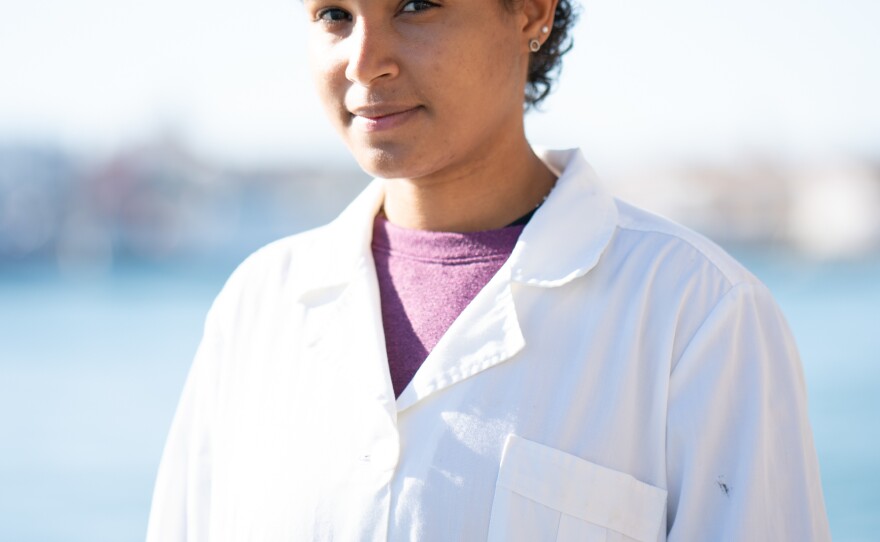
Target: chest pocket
544	494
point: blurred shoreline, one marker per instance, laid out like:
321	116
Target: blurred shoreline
158	202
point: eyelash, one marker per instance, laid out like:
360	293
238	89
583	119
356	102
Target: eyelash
338	15
425	3
321	16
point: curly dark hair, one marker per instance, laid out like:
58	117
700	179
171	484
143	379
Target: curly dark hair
544	65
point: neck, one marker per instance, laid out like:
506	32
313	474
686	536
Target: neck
485	192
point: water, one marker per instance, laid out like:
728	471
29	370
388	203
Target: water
90	372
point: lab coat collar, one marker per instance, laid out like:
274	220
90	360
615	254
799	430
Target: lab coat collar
563	240
567	235
344	244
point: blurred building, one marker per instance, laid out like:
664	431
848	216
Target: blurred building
821	211
153	202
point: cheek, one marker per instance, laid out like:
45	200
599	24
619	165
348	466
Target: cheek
502	68
483	77
328	78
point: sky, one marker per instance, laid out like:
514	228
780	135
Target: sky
646	81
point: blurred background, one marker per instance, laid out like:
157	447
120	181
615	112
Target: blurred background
147	147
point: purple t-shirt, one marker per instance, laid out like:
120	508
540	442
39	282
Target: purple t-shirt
426	279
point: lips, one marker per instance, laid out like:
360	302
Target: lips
380	117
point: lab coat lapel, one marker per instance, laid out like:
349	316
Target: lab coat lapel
349	333
343	317
562	242
485	334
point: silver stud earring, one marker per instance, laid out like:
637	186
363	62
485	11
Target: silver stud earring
545	29
534	45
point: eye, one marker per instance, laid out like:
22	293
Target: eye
333	15
417	5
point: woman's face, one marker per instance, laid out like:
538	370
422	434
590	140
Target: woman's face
419	88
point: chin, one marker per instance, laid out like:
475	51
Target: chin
389	162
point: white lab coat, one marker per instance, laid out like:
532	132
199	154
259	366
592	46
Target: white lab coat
621	378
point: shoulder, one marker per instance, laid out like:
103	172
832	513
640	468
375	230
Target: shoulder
279	261
585	226
274	274
282	271
681	248
680	278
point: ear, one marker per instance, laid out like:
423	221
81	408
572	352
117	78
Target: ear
536	16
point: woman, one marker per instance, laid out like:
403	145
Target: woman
484	345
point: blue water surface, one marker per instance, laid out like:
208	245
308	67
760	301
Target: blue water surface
91	369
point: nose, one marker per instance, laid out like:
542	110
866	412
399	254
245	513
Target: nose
371	57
